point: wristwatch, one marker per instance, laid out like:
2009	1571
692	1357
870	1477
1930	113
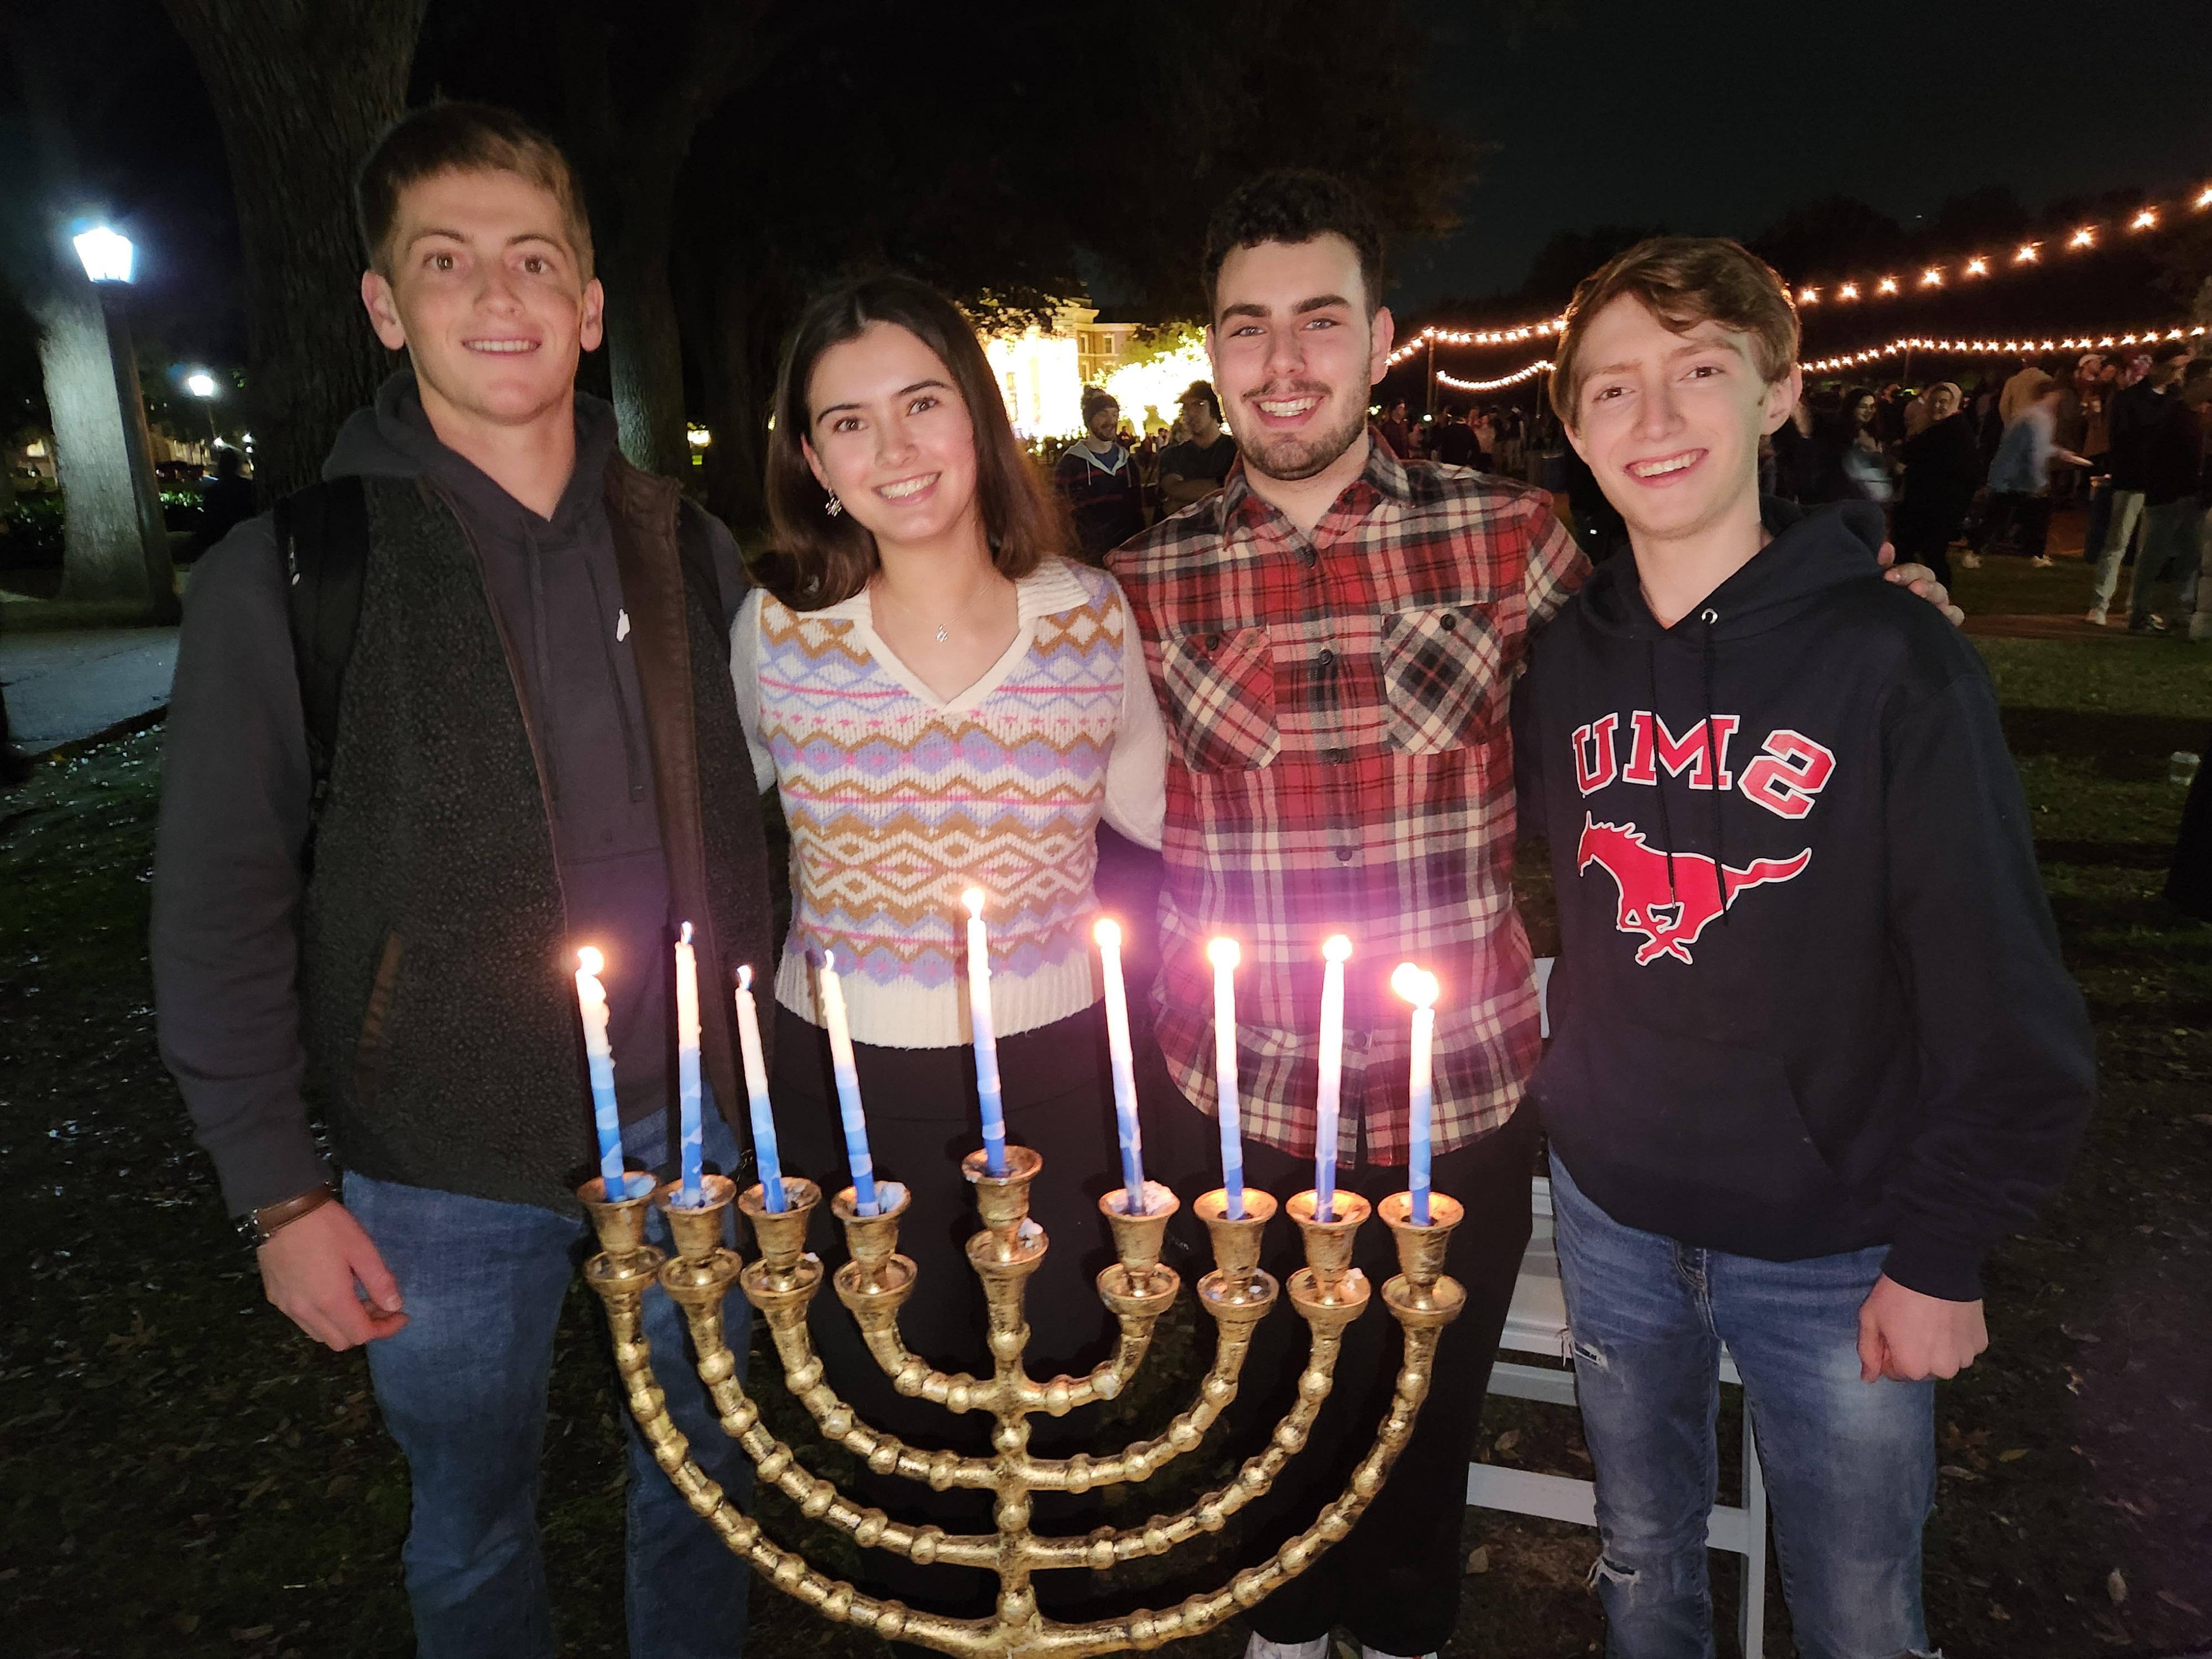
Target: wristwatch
257	1227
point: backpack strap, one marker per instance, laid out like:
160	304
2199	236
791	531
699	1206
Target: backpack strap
322	535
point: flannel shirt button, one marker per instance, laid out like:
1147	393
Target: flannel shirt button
1449	619
1307	555
1344	855
1325	657
1337	756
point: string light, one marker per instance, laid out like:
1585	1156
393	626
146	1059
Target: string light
1542	366
2148	217
1984	348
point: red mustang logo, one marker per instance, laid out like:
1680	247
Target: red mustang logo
1670	914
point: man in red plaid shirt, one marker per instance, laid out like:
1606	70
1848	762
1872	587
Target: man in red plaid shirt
1333	636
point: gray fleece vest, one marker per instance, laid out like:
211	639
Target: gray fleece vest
437	974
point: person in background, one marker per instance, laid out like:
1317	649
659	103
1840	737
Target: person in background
1483	426
1097	478
2068	425
2019	476
1916	415
2173	472
1889	416
1942	472
1852	465
1395	431
1194	468
1453	442
2136	412
225	499
2023	388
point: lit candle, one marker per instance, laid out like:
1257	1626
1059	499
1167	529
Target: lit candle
987	1037
1338	950
687	1070
592	997
1224	955
849	1087
748	1045
1418	988
1133	1201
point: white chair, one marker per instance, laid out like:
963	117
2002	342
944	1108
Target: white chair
1537	1324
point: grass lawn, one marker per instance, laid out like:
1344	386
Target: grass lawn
188	1476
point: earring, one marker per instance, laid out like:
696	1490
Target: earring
833	507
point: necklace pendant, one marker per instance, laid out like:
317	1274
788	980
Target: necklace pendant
942	635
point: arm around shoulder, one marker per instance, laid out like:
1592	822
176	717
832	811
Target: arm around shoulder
1136	773
744	684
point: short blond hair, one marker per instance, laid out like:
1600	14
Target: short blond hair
457	136
1682	280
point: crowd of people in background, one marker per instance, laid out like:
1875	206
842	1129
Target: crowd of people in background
2125	437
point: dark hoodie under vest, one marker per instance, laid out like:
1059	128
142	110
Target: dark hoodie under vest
1810	997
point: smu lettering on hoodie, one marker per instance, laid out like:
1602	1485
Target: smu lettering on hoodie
1809	996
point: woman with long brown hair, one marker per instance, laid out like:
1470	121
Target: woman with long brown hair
943	701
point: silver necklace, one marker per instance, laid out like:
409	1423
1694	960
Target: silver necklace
944	629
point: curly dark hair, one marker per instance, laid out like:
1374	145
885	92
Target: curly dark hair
1294	205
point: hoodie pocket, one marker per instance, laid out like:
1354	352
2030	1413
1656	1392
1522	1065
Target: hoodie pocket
1440	675
374	1041
1222	689
1696	1140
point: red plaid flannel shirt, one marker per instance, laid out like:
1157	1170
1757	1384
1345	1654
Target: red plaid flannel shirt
1340	759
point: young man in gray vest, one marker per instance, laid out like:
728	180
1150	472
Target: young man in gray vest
535	748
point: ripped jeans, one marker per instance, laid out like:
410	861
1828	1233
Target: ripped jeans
1850	1466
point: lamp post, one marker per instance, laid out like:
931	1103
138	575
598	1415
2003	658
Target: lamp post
109	260
201	385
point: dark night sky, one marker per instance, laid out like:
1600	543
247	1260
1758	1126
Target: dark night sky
1714	116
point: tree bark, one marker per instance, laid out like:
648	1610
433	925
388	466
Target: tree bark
303	88
108	551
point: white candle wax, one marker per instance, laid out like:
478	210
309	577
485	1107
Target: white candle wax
1224	957
847	1077
988	1092
1134	1200
689	1127
1337	950
756	1064
1420	989
600	1062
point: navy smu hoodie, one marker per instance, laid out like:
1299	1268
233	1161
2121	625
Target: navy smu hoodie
1810	997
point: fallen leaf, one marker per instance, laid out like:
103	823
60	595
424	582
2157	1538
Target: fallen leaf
2115	1586
2014	1456
254	1634
1999	1613
1479	1561
2173	1601
185	1623
1956	1473
1507	1441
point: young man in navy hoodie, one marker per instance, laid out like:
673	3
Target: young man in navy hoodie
1814	1052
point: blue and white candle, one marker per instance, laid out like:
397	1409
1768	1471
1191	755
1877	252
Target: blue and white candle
1420	989
756	1064
600	1059
847	1076
988	1090
1224	955
690	1194
1337	950
1135	1200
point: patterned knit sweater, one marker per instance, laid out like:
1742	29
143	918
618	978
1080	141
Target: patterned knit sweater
899	801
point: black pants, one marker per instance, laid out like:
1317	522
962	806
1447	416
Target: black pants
2012	510
922	1120
1395	1581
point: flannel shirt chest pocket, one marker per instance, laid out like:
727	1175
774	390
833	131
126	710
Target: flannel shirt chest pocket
1441	670
1221	687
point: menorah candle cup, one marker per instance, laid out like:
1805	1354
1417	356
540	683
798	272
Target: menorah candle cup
1137	1283
877	1270
1003	1201
1237	1239
626	1264
781	1234
1328	1280
1422	1292
697	1229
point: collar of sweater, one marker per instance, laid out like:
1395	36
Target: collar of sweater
1051	586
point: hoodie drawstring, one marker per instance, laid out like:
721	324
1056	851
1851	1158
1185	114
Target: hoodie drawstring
544	650
1659	779
630	764
1710	617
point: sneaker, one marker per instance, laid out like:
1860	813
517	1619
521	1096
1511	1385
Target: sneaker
2096	617
1971	560
2147	625
2040	561
1257	1646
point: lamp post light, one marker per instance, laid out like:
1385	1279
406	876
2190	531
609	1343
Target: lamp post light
109	259
201	385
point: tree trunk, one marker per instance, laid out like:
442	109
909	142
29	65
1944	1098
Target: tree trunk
113	545
644	350
303	89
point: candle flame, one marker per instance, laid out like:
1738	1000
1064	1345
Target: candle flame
685	935
1337	948
744	976
591	961
1416	986
1107	932
973	898
1224	953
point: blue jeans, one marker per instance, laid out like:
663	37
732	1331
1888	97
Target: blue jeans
463	1387
1850	1466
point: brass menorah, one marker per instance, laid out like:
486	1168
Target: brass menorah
1329	1293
